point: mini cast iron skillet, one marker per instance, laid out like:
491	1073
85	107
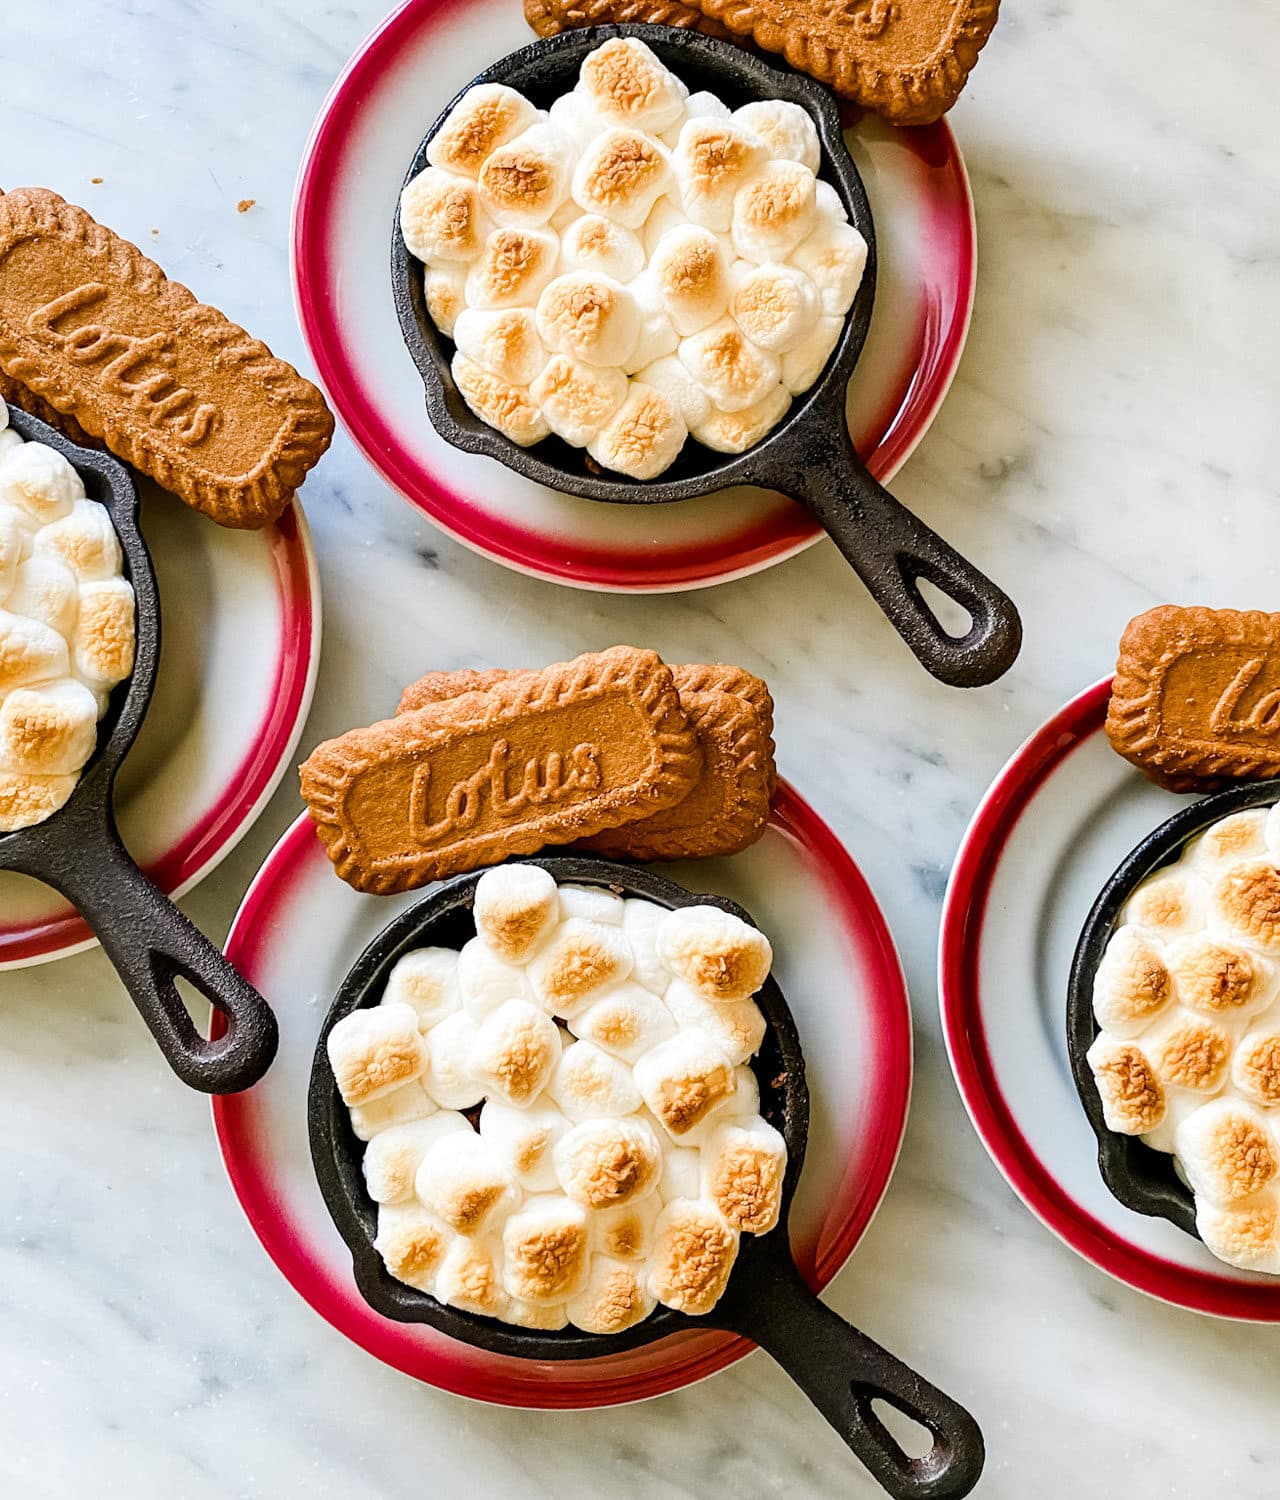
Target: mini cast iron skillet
1141	1178
809	455
78	850
840	1369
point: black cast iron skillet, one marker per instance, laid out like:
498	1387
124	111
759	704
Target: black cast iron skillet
78	850
840	1369
809	455
1141	1178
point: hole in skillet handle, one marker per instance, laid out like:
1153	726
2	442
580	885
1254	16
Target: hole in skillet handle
1136	1175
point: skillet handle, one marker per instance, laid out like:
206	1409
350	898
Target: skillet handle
891	549
151	943
842	1371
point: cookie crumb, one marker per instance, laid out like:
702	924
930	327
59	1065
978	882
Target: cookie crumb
155	231
95	180
245	204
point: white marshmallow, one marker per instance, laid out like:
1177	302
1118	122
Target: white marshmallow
512	269
834	256
486	981
575	116
506	343
640	922
470	1276
448	1078
681	1174
514	1053
615	1296
463	1181
45	589
774	212
593	903
745	1099
728	366
408	1102
736	431
626	1021
828	205
712	161
13	546
412	1243
85	541
685	1079
577	399
691	275
525	180
668	376
666	214
786	129
486	117
29	652
581	960
50	729
393	1156
590	316
546	1319
9	440
442	217
1272	830
737	1026
744	1162
775	305
515	908
501	405
444	290
525	1140
546	1247
657	336
643	437
373	1051
702	104
603	1163
589	1084
1132	985
39	484
427	981
598	245
1237	836
626	1232
715	952
802	364
627	84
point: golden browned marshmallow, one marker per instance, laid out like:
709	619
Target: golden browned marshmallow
1245	1236
412	1243
512	269
444	290
27	799
546	1318
1188	1052
1169	903
713	159
589	1084
374	1051
1226	1151
626	1232
524	1139
426	980
408	1102
103	644
515	908
786	129
589	316
728	366
470	1276
683	1080
774	212
692	277
442	217
615	1296
523	182
580	959
393	1156
505	343
463	1181
668	376
694	1251
487	116
776	306
1232	838
85	540
736	431
48	730
608	1162
546	1247
29	652
1132	984
499	403
737	1026
1245	900
1133	1100
596	244
515	1052
39	483
621	175
626	1021
743	1166
1255	1068
834	257
643	437
577	399
627	84
1215	976
717	954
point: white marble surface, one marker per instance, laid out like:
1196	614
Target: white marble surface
1108	445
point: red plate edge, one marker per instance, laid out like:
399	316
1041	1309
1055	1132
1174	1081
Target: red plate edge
963	914
713	1351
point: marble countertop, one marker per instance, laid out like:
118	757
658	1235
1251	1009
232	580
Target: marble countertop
1107	445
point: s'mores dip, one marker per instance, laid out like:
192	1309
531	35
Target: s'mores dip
561	1120
66	627
634	267
1187	997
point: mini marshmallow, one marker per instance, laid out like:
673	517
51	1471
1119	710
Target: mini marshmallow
657	336
499	403
694	1252
745	1099
9	440
681	1174
712	162
608	1162
1255	1067
29	652
626	1232
523	182
737	1025
393	1156
684	1079
717	954
574	116
589	316
1244	902
487	116
589	1084
802	364
591	902
408	1102
373	1051
1231	838
1188	1052
776	306
728	366
640	922
691	275
621	175
834	256
13	545
1246	1236
39	484
1133	1099
615	1296
1168	903
412	1243
736	431
643	437
827	205
514	1053
463	1181
546	1247
27	799
426	980
1226	1151
627	84
515	908
669	377
774	212
743	1164
525	1139
666	214
84	541
1217	977
548	1319
626	1022
448	1078
45	589
511	270
442	217
486	981
1132	984
1272	830
444	290
48	730
506	343
703	104
103	642
577	399
598	245
786	129
470	1276
581	960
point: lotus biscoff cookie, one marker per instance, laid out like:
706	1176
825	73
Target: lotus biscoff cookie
96	338
543	758
1196	698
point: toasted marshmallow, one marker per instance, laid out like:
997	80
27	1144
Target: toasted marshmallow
426	980
1188	1052
29	652
684	1079
546	1247
666	214
776	306
743	1164
589	316
1247	1236
512	269
1226	1151
525	1139
506	343
1219	978
13	544
486	981
717	954
615	1296
48	730
102	644
85	541
1168	903
39	484
712	162
802	365
581	960
606	1163
393	1156
681	1174
657	336
412	1243
448	1076
626	1232
548	1318
626	1021
1244	902
774	212
621	175
593	903
602	247
640	922
523	182
691	274
1232	838
736	431
745	1099
834	256
1272	831
26	799
373	1051
45	589
499	403
470	1276
463	1181
737	1025
672	380
728	366
515	908
1132	984
408	1102
514	1053
589	1084
643	437
1255	1067
487	116
444	290
577	399
694	1252
442	217
1133	1099
627	84
786	129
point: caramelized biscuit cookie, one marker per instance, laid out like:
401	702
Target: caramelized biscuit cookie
550	17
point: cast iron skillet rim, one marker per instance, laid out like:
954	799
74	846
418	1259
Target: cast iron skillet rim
772	454
1136	1175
